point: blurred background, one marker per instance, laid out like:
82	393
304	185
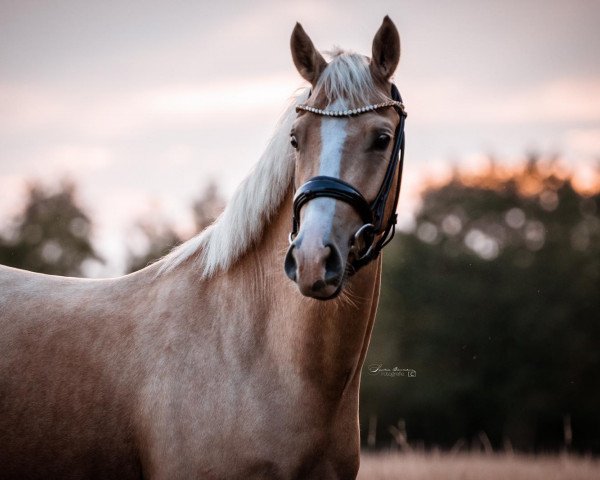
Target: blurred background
126	126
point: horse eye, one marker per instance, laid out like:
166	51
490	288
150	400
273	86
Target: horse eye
294	142
381	142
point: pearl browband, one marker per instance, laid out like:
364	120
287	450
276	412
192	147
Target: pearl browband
351	112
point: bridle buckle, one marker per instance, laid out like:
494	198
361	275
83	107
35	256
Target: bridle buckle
367	230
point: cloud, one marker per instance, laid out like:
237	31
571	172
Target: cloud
221	99
76	159
451	100
118	114
24	108
584	141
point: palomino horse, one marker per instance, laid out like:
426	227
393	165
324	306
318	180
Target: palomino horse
210	363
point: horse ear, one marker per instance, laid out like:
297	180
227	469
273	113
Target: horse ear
386	50
307	59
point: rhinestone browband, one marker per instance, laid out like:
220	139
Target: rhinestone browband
350	112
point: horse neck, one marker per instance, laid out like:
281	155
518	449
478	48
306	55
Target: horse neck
323	341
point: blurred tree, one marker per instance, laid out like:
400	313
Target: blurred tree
208	207
493	299
160	238
51	236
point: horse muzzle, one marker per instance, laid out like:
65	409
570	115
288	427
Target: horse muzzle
317	269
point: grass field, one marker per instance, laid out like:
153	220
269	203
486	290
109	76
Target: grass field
476	466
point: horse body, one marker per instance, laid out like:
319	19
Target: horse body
210	363
171	377
65	405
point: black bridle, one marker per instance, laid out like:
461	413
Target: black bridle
372	214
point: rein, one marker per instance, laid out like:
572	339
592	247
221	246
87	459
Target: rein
372	214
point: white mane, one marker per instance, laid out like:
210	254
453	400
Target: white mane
348	77
259	196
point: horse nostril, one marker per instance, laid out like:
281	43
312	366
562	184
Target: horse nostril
334	266
290	266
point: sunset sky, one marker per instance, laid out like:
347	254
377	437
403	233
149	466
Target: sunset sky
143	103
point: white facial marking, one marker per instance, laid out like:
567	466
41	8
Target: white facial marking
318	218
333	136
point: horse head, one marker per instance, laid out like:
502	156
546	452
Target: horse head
347	139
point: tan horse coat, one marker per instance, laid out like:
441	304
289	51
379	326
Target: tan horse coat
239	377
205	365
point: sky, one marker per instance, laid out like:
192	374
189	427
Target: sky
145	103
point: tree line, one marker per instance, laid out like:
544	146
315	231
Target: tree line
54	234
493	299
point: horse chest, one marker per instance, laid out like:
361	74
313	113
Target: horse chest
246	428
